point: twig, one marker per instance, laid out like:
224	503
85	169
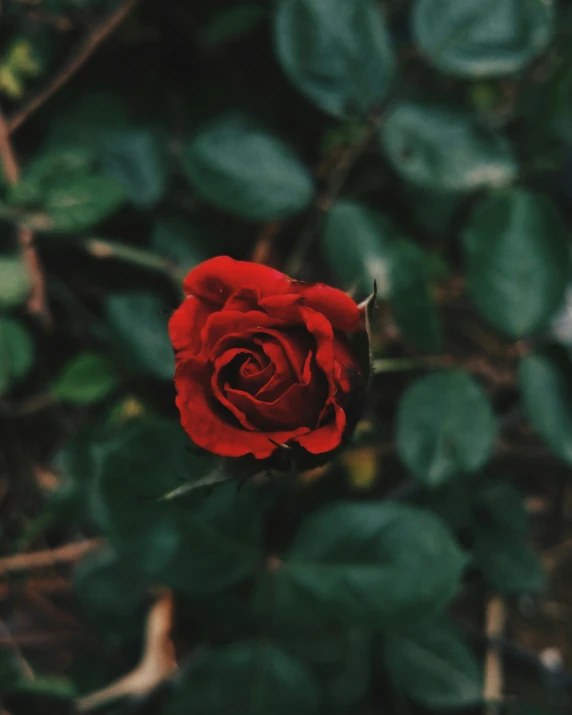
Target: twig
325	200
97	35
49	557
493	684
157	663
37	302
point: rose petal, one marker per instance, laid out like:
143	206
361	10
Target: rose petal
219	387
210	431
218	278
185	326
222	329
299	404
325	438
341	310
243	300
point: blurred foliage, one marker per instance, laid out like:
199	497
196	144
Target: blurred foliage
425	145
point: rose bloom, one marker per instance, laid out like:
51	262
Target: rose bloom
264	361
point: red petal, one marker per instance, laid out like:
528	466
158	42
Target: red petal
296	406
325	438
223	330
341	310
209	430
218	278
185	326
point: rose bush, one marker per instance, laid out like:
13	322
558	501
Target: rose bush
263	360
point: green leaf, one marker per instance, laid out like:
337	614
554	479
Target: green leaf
473	156
66	184
244	169
374	565
135	159
245	679
141	333
111	596
362	247
231	24
517	260
198	543
80	203
180	241
482	38
508	565
545	380
434	667
64	164
339	659
15	281
337	54
445	427
87	378
16	352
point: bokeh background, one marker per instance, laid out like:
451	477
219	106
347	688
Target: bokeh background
425	145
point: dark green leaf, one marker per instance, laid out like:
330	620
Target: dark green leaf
181	242
245	679
199	544
140	326
80	203
509	566
65	164
16	352
245	170
136	160
15	281
376	565
339	659
87	378
545	381
473	156
362	247
517	259
445	427
482	38
434	667
232	23
65	183
337	54
111	595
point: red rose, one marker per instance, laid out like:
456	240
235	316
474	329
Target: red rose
262	360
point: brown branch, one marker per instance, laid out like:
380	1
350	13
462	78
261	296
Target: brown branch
97	35
157	663
37	303
49	557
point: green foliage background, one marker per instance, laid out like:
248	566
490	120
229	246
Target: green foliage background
422	144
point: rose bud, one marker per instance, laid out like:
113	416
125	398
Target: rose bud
265	363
